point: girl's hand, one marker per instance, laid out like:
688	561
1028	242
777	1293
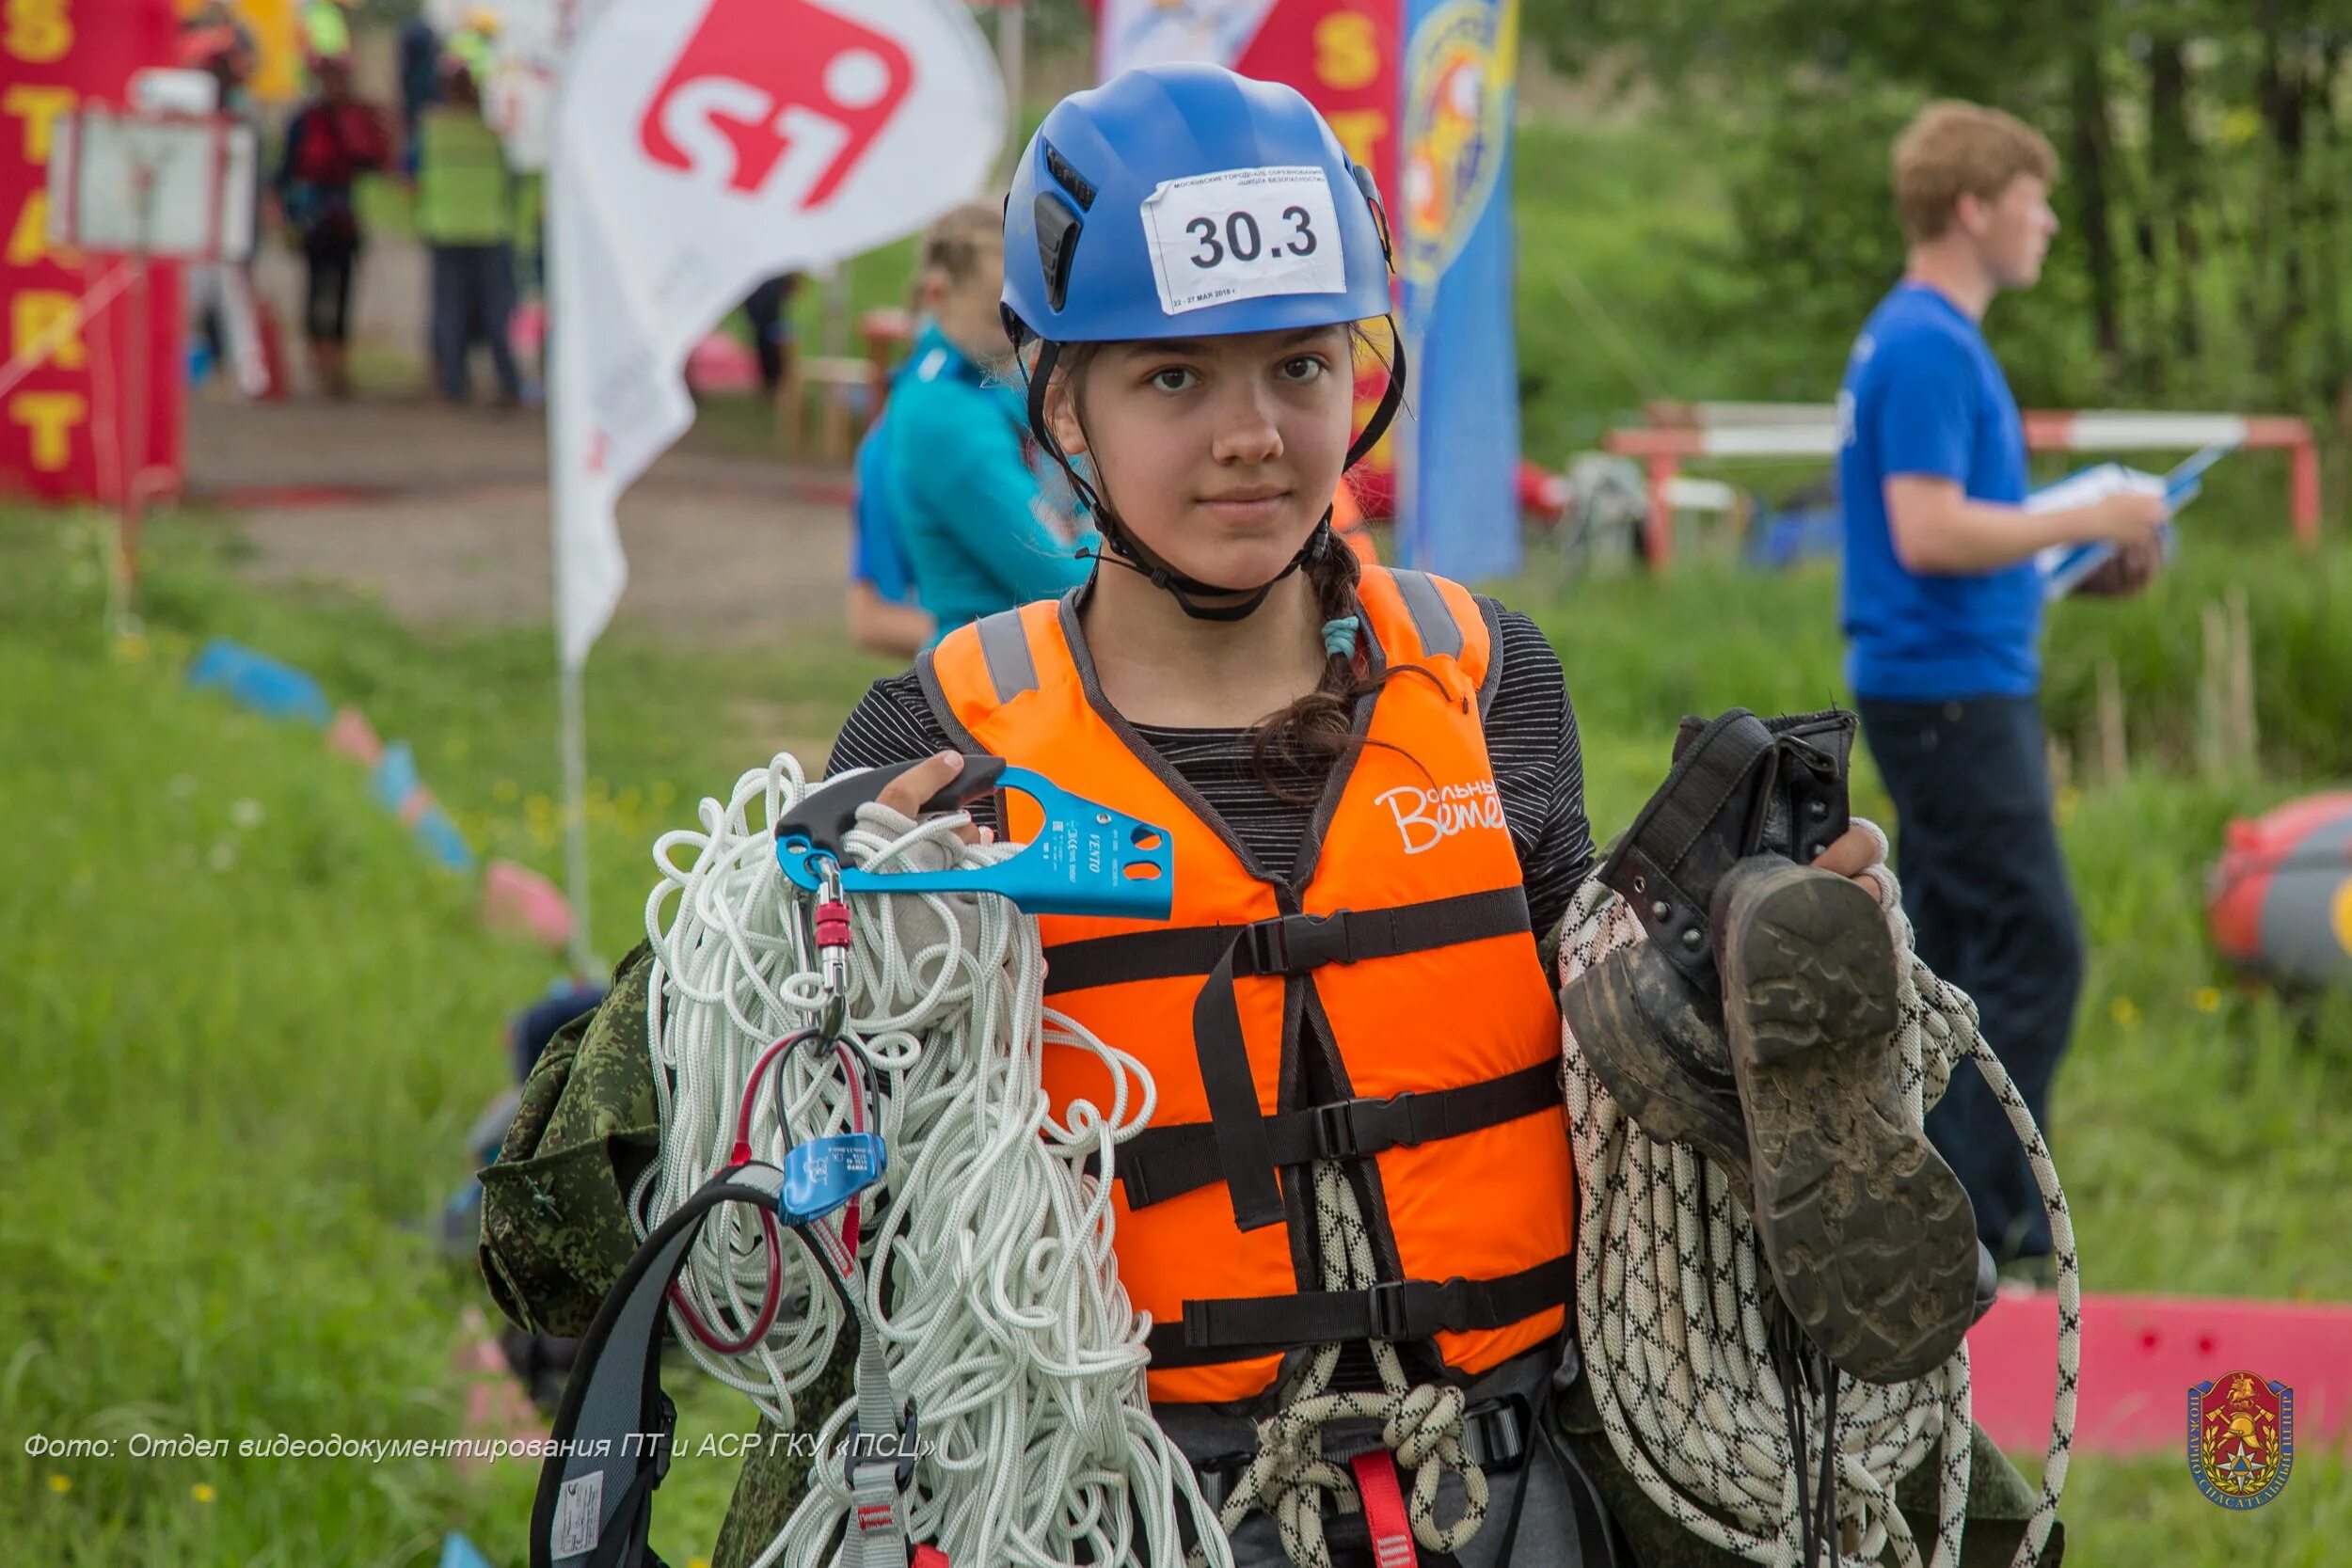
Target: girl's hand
907	793
1850	856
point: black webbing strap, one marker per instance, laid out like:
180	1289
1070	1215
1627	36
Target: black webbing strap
1713	769
1168	954
614	1428
1161	1162
1231	1328
1293	945
1655	866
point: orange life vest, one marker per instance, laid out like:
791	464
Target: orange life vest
1404	928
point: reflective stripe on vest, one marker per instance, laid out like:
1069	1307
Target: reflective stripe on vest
1406	931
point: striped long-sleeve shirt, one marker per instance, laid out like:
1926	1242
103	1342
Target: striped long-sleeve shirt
1530	739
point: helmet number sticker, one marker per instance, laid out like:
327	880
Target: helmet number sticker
1243	233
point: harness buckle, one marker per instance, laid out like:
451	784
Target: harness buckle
1218	1474
1495	1432
665	1441
902	1451
1388	1312
1335	1130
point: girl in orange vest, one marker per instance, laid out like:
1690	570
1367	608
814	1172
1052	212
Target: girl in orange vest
1351	1218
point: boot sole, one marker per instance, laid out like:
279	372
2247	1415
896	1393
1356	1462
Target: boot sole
1619	1016
1867	1231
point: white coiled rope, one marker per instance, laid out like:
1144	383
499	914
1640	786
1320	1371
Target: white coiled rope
987	1269
1670	1319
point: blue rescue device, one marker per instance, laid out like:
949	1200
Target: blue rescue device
822	1174
1085	859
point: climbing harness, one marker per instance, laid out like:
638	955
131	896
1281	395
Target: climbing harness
1421	1427
1706	1397
870	1047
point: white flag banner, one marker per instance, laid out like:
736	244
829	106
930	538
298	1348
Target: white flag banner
1132	33
702	145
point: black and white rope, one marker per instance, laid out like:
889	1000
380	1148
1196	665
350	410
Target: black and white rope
1419	1423
1670	1310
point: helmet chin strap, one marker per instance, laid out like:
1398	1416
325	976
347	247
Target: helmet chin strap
1128	551
1131	554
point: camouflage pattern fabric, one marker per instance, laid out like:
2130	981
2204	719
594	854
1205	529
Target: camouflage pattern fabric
556	1234
555	1227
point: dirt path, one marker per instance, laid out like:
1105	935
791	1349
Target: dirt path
442	514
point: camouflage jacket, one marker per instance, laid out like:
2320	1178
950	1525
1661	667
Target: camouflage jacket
555	1227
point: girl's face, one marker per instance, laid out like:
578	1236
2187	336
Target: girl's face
1220	454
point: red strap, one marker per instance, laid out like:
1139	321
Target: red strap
928	1556
1384	1510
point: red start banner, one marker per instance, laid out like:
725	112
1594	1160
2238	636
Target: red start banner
63	424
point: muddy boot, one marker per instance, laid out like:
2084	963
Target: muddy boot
1652	1021
1868	1233
1649	1018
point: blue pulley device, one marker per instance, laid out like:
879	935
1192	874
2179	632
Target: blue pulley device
1085	859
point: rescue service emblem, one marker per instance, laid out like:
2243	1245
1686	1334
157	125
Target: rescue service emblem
2241	1438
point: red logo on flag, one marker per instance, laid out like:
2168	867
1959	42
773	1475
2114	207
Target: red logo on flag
776	93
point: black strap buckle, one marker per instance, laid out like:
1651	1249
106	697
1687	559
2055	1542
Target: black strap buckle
665	1441
1135	1176
1342	1129
1335	1130
1495	1432
1295	943
1388	1312
851	1460
1218	1474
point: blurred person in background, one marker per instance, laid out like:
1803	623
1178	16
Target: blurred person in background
884	614
420	82
325	29
211	28
954	471
1942	606
332	140
223	312
767	308
475	43
465	214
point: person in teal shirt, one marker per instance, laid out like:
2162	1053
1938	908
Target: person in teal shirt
980	529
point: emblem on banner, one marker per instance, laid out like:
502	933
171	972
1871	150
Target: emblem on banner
1458	126
2241	1438
780	93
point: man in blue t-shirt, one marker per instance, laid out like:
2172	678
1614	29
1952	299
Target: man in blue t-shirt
1942	605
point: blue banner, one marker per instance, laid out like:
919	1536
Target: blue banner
1457	509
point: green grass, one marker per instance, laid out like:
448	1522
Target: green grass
249	1025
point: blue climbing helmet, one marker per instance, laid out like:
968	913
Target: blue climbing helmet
1186	200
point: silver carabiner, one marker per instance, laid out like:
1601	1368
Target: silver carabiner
830	933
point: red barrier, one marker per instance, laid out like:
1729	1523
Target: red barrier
2141	1357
